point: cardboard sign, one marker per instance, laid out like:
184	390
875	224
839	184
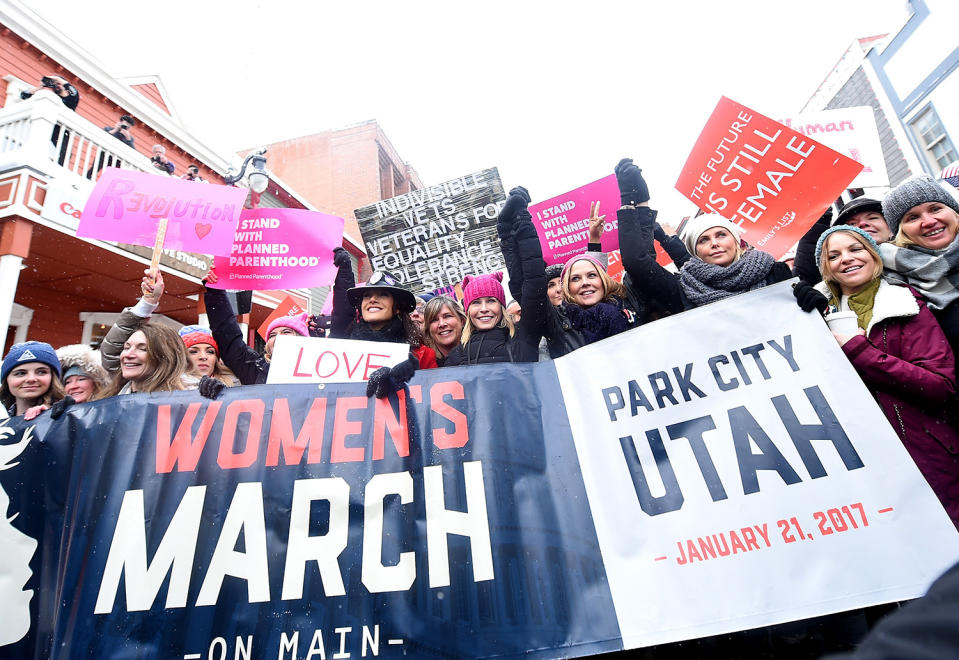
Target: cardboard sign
767	178
280	249
289	306
434	237
850	131
126	206
751	467
316	360
562	224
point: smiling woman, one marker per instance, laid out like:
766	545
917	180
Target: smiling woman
924	216
153	359
30	378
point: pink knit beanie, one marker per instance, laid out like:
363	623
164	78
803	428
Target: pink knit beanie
296	323
481	286
587	256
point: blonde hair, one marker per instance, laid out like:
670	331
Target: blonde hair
611	288
166	355
504	322
901	240
826	270
432	309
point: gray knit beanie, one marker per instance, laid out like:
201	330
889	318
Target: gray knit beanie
553	271
912	192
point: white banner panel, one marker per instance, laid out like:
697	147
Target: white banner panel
740	474
318	360
852	132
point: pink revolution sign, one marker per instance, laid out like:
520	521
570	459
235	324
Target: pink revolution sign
280	249
126	207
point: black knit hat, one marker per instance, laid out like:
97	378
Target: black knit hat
858	205
403	298
556	270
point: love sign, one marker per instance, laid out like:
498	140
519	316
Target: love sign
318	360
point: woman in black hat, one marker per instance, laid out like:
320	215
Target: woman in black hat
378	310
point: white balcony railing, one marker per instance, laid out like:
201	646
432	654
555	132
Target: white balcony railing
42	133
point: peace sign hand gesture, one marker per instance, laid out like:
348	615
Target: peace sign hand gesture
597	223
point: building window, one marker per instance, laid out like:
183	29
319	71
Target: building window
933	139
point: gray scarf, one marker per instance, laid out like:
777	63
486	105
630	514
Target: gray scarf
935	273
704	283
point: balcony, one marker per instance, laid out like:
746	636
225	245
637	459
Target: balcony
44	135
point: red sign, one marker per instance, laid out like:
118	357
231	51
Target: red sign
769	179
290	306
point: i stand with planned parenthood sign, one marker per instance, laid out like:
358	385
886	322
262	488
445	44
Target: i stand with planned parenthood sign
433	237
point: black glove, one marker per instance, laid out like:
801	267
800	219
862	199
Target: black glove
809	299
632	186
385	380
210	387
518	200
60	407
825	218
341	258
523	225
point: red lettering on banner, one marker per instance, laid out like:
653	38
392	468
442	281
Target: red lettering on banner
185	449
344	427
319	360
227	458
310	435
385	421
460	435
350	371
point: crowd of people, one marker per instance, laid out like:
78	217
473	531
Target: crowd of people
891	266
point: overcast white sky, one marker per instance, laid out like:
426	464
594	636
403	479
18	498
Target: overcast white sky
551	93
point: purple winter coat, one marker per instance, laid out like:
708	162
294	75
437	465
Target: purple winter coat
909	367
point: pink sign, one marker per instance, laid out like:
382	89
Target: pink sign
563	221
280	249
562	224
126	206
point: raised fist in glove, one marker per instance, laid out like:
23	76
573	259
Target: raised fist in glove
385	380
341	258
518	200
210	387
60	407
632	186
809	299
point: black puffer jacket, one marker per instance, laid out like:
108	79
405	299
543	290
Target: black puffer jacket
524	259
250	367
660	288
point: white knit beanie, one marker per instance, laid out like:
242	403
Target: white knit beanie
697	226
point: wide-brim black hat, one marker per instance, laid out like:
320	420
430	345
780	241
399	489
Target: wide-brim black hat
403	299
858	205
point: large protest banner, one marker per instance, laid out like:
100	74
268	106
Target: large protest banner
468	516
767	178
850	131
753	469
126	206
433	237
280	249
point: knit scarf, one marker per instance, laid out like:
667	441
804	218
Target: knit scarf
598	321
394	332
860	302
705	283
934	272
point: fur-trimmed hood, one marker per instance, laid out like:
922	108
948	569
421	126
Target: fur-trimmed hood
87	359
892	301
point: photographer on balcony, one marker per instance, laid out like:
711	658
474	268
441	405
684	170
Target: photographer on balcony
59	86
160	160
68	95
121	130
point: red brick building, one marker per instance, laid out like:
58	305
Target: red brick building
341	170
55	286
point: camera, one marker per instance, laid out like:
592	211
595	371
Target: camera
46	81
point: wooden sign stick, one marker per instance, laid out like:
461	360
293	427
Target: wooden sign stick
158	248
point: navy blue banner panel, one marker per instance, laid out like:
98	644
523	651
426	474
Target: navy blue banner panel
447	521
